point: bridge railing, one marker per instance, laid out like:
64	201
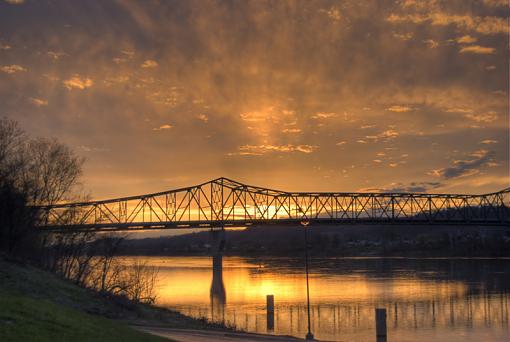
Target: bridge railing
225	202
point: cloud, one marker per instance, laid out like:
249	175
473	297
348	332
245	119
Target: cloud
253	116
265	148
291	130
149	63
459	110
488	141
163	127
490	67
271	113
486	25
399	109
466	167
15	2
403	36
38	102
322	115
467	39
399	187
333	13
202	117
77	82
11	69
5	46
477	49
55	55
388	134
254	58
485	117
496	3
432	44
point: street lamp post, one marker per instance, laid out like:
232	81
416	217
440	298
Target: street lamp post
309	335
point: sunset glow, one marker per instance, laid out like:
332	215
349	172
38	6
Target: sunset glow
295	95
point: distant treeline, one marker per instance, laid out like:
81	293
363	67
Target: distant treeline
337	241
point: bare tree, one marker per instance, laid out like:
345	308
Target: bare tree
109	271
15	217
36	172
32	172
51	172
142	282
12	139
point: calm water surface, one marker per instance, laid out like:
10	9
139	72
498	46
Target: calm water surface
426	299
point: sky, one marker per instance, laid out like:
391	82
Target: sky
364	95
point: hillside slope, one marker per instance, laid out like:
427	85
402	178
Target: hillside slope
38	306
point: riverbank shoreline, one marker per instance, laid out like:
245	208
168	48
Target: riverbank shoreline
193	335
35	302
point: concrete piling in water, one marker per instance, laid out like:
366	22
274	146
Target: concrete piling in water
270	312
380	325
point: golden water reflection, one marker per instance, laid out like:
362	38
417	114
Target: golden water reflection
438	302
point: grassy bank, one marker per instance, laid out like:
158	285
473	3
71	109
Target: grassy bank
39	306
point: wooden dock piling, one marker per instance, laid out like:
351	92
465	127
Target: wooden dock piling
380	324
270	312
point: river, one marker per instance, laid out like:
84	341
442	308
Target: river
426	299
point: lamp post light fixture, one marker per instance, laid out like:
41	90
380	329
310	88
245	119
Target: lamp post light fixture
309	335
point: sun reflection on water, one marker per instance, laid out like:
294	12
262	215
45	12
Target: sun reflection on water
343	300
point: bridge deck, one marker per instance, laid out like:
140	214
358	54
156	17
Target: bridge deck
223	202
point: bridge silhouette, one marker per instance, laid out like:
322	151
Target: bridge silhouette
223	203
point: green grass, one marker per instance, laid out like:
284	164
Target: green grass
38	306
28	319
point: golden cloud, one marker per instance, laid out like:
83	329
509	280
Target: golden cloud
163	127
11	69
496	3
485	117
265	148
399	109
432	44
467	39
319	116
202	117
481	50
485	25
149	63
38	102
458	110
77	82
291	130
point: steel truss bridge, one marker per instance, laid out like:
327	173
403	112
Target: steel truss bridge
226	203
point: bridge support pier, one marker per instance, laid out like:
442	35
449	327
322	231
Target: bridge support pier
217	292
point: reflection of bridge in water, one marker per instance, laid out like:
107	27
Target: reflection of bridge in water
217	292
223	203
454	310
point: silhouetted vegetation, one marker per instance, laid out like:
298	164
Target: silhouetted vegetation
35	172
32	172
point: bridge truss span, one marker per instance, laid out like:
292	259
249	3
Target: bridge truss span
226	203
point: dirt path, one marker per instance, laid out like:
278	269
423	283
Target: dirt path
188	335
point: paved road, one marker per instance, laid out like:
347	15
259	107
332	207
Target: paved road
185	335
